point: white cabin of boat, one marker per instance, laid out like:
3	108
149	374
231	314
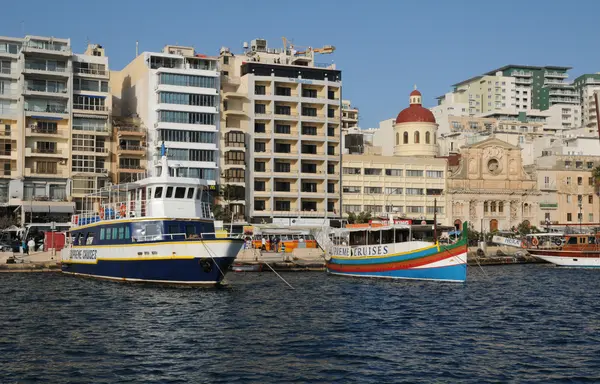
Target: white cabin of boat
162	196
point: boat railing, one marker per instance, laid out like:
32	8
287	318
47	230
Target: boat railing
113	210
158	237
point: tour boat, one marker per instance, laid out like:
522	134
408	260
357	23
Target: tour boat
156	230
391	251
569	250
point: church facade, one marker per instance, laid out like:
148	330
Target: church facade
490	189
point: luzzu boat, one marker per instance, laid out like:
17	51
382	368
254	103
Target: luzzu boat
389	251
156	230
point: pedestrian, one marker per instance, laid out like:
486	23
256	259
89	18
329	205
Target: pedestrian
31	245
24	247
264	243
276	241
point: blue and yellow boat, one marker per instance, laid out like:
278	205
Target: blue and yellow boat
157	230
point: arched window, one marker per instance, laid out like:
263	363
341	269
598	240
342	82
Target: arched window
417	137
493	206
485	206
397	138
501	207
427	137
405	138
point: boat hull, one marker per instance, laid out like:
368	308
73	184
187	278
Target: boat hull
571	259
432	263
196	263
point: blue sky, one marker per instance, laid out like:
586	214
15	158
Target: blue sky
383	47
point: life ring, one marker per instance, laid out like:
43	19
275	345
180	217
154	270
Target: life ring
101	213
558	242
123	210
535	241
524	244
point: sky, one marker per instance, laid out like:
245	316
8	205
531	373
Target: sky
383	48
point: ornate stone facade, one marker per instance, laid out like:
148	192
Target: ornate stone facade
491	181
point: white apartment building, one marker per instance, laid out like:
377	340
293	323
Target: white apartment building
175	94
588	86
349	115
281	134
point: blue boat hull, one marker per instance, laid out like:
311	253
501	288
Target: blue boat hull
195	271
455	273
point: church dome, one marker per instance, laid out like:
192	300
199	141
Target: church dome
415	113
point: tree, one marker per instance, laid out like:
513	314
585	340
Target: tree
361	218
221	212
227	194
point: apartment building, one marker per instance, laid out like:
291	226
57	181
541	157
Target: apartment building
129	162
487	93
349	115
175	96
36	80
587	86
91	134
568	190
281	119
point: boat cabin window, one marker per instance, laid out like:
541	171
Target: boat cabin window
80	239
591	240
102	233
158	192
173	228
108	234
572	240
149	193
115	230
121	233
90	238
146	231
190	229
199	194
169	192
190	193
582	240
179	192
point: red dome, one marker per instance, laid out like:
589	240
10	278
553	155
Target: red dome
415	114
415	93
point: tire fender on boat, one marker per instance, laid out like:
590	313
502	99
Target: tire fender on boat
206	265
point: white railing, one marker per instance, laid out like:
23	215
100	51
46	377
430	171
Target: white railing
159	237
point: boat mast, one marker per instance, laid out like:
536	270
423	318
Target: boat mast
435	220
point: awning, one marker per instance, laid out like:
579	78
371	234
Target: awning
94	96
47	118
90	116
48	208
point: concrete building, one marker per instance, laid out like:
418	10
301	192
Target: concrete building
568	194
129	162
489	187
281	118
487	93
175	95
450	104
588	85
91	134
349	115
383	137
409	182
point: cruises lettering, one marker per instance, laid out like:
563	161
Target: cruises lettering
340	251
375	250
83	254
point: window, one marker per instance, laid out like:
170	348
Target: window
373	190
373	208
260	108
351	208
435	174
579	164
259	128
260	166
427	138
102	230
115	233
432	210
417	137
187	99
186	117
282	167
287	148
567	164
414	209
190	193
414	191
108	234
226	60
187	80
312	93
501	207
283	91
414	173
282	205
330	112
169	192
434	191
350	189
309	130
179	192
283	110
590	199
158	192
260	146
579	199
568	198
372	171
307	111
259	205
591	181
393	172
351	171
260	185
283	129
330	131
405	138
282	186
568	180
590	165
260	90
397	138
580	181
121	232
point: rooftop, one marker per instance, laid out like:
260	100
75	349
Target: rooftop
517	66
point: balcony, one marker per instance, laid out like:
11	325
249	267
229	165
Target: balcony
46	70
263	115
563	92
561	75
317	117
8	94
52	111
7	72
45	172
46	152
123	131
548	187
91	171
134	150
91	151
46	91
233	80
523	81
234	95
568	100
35	131
47	49
6	155
521	73
94	109
88	72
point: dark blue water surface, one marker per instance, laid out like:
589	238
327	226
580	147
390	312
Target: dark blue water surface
530	323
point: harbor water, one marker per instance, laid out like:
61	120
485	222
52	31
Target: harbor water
519	323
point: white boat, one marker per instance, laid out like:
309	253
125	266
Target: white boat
579	250
156	230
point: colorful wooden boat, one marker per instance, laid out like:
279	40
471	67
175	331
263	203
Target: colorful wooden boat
390	251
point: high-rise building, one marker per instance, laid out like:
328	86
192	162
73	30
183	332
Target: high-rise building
349	115
91	125
587	86
175	95
281	118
